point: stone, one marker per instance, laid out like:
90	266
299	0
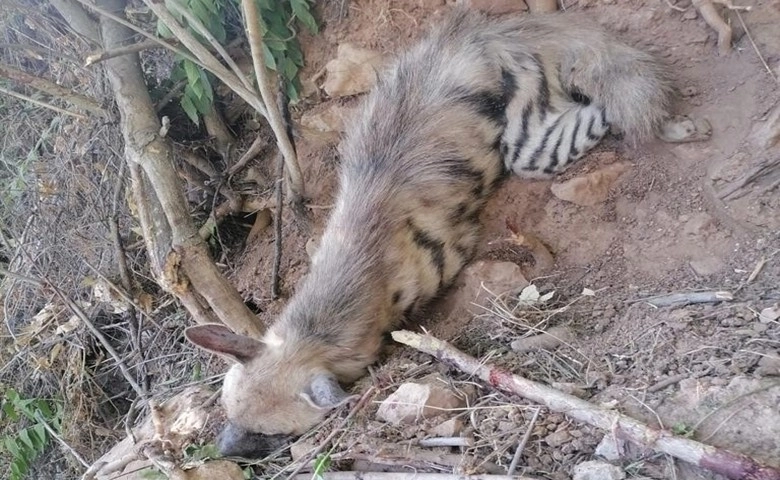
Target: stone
610	448
300	449
331	119
556	439
353	71
682	129
590	189
222	469
596	470
769	364
412	402
707	266
448	428
769	314
548	340
486	277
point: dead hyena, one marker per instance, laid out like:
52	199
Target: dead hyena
476	99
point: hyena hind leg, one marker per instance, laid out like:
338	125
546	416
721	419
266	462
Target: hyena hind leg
564	138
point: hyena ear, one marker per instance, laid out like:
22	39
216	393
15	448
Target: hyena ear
324	392
219	339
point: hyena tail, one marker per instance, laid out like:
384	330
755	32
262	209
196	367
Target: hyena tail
633	87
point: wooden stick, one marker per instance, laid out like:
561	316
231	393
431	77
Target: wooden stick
680	299
274	116
41	104
731	465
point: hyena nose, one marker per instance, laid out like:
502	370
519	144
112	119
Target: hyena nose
236	442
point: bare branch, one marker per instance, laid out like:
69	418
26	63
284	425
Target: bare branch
41	104
732	465
252	21
51	88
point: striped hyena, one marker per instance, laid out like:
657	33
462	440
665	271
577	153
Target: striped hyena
476	99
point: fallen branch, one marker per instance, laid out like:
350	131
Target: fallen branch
41	104
731	465
680	299
51	88
446	442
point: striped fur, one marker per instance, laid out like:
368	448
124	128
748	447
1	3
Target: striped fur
476	99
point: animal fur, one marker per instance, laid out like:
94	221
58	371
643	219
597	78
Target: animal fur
476	99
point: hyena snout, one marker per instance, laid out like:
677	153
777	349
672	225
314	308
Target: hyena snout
273	391
234	441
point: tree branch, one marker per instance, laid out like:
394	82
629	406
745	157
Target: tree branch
732	465
179	257
51	88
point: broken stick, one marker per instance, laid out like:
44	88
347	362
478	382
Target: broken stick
731	465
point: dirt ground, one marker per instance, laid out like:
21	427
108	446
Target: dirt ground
685	217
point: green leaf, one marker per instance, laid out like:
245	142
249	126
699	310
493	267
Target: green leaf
270	61
163	30
24	436
201	12
40	432
210	5
192	71
190	109
10	411
301	10
18	468
12	446
289	68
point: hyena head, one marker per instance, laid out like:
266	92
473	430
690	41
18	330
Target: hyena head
273	391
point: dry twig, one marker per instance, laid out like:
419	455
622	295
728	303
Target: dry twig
731	465
688	298
274	116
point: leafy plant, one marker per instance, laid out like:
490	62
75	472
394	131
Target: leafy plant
281	49
25	445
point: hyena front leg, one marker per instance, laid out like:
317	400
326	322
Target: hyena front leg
552	144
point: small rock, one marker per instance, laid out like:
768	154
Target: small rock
488	275
300	449
589	189
556	439
769	314
610	447
413	401
222	469
595	470
690	14
353	71
495	7
769	364
449	428
332	119
707	266
681	129
548	340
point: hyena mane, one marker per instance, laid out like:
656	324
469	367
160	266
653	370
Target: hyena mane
476	99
